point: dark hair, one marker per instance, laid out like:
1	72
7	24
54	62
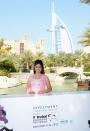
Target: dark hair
41	63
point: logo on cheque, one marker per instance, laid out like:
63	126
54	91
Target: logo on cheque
44	116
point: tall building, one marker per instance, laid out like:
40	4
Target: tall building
61	38
26	44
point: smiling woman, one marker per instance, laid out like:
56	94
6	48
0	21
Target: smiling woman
39	82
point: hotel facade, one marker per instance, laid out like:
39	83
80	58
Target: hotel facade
20	46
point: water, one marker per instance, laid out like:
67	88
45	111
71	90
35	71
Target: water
67	85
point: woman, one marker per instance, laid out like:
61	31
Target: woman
38	82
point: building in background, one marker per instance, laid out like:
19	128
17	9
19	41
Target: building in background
40	46
14	46
23	45
61	38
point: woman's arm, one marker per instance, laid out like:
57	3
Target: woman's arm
48	84
28	88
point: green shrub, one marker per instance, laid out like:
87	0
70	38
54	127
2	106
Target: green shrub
86	69
4	73
7	65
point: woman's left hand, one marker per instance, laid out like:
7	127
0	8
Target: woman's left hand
41	92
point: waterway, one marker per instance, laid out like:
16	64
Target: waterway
68	85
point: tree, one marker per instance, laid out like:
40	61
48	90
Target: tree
61	58
39	55
1	43
85	1
77	58
3	48
15	59
8	65
86	60
26	60
51	60
85	40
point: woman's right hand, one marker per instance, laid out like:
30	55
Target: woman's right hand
31	92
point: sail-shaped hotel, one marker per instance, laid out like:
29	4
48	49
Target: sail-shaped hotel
61	38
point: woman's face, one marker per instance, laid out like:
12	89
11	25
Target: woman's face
38	68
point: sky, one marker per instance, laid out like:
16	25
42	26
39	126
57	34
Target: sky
33	17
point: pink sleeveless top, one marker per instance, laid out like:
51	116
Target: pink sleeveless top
37	85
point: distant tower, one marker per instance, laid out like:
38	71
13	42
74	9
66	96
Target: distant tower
40	47
53	31
25	43
61	39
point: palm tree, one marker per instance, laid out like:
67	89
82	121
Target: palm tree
85	41
85	1
26	59
39	55
3	48
61	58
86	60
51	60
77	58
1	42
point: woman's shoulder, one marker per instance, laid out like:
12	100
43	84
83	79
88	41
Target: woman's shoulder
45	76
30	77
